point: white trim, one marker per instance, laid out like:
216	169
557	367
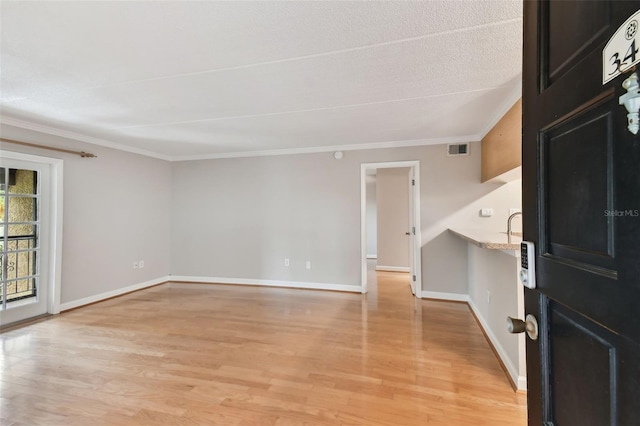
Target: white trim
390	165
393	268
112	293
79	137
266	283
520	381
363	229
14	155
452	297
56	232
418	237
364	167
372	256
333	148
9	121
56	199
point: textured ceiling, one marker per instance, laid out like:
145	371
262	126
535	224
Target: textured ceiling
184	79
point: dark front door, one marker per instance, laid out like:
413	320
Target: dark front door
581	208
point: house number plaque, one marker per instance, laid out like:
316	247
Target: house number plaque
621	52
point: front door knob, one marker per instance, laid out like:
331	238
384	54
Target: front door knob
530	325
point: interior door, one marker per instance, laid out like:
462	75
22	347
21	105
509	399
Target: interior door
581	203
412	230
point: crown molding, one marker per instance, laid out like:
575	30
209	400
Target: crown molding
264	153
27	125
320	149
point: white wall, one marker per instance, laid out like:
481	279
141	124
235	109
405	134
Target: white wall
241	217
117	210
372	218
495	293
392	195
496	272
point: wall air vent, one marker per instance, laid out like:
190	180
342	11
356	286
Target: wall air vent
458	149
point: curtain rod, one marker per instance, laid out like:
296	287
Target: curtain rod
35	145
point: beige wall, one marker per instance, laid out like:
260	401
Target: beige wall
495	292
392	193
241	217
117	210
372	217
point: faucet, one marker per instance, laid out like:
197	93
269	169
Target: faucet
509	221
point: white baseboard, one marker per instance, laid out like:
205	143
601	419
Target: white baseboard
372	256
520	381
113	293
267	283
393	268
455	297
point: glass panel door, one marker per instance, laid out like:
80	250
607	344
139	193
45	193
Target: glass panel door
23	277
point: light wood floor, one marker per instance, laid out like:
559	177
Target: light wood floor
233	355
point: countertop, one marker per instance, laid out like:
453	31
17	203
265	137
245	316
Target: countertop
487	239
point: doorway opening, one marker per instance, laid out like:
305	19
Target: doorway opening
401	252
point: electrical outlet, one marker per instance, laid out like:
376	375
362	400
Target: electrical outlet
135	265
286	262
308	264
513	210
488	297
141	264
486	212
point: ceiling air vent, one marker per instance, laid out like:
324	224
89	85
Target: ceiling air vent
458	149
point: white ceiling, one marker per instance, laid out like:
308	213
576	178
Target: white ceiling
183	79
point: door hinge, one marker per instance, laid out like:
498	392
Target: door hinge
414	230
414	277
413	182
